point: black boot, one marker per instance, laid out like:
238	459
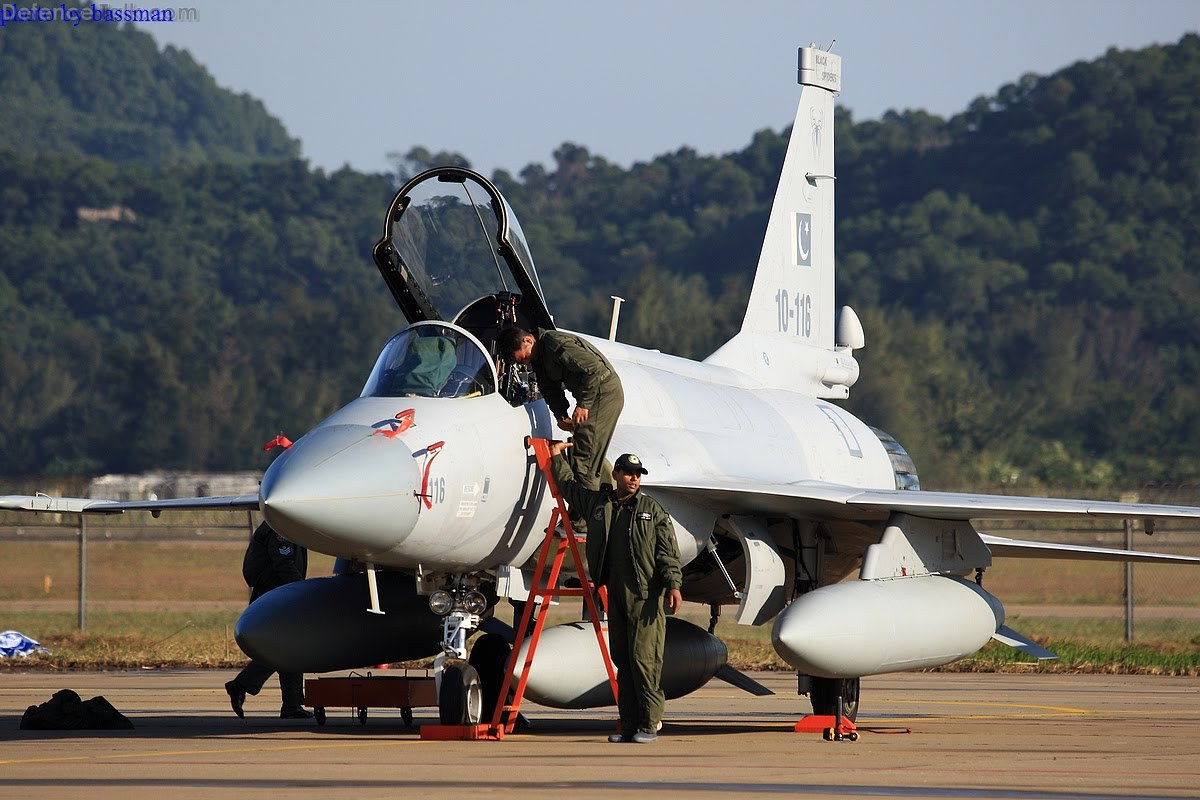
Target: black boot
237	698
295	712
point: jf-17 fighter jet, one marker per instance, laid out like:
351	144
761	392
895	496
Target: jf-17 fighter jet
425	490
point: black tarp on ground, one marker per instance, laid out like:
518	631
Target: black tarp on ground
65	711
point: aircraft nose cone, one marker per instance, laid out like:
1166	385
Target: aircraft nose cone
343	490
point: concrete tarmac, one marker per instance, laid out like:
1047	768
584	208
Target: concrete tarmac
973	736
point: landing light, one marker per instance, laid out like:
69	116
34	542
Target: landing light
475	603
441	602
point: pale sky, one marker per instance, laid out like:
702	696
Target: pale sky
505	83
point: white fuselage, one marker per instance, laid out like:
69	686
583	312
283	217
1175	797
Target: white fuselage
690	420
480	501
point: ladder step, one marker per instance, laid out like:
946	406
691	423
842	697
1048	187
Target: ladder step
559	593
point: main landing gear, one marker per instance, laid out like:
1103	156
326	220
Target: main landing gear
823	693
835	707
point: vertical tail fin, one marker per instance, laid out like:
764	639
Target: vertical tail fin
787	335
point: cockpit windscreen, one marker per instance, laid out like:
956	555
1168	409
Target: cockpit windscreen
431	360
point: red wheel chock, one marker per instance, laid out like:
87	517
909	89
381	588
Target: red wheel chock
832	729
461	733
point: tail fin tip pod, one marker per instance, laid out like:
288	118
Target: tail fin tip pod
787	339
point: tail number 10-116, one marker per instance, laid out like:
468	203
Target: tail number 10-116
795	312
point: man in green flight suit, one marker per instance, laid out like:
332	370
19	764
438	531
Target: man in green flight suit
631	550
563	359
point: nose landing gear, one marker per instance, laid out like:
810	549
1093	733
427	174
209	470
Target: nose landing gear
460	694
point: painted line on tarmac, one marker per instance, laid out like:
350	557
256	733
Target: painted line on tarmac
860	790
645	788
203	752
1040	711
1048	710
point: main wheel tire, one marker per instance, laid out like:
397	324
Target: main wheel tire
460	700
824	691
489	657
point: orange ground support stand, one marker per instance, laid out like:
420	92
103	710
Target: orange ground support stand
545	587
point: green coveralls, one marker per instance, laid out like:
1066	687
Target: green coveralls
270	562
631	549
564	359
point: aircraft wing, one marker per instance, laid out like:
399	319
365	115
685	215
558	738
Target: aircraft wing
852	502
837	501
91	505
955	505
1021	548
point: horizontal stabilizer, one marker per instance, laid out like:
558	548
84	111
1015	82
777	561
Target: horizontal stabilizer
1006	635
742	681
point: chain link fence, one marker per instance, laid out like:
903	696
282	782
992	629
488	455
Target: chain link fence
61	573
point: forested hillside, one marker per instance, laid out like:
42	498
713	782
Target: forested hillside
1026	271
107	90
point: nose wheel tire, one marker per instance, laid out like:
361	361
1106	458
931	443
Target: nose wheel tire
460	699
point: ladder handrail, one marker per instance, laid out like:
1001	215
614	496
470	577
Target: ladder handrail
545	587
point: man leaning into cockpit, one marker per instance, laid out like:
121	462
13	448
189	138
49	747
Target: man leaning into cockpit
564	360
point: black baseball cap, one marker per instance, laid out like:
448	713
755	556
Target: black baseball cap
630	463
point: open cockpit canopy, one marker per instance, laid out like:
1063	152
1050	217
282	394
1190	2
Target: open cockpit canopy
453	251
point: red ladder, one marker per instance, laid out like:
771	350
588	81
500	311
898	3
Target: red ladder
545	586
